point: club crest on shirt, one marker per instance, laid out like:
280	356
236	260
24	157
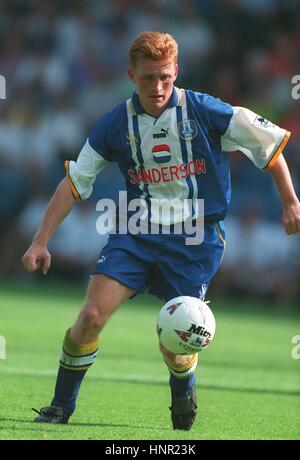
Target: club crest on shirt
187	129
262	121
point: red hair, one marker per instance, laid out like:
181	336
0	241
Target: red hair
153	45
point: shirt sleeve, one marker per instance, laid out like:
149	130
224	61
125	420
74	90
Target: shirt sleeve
82	173
215	113
259	139
92	159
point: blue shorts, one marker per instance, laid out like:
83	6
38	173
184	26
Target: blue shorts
164	264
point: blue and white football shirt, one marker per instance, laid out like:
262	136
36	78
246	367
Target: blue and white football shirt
178	156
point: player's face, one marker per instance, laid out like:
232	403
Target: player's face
154	81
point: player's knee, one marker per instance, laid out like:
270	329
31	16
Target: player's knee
177	361
92	318
180	361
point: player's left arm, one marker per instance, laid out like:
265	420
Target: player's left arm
290	203
263	142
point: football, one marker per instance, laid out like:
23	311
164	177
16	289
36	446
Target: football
185	325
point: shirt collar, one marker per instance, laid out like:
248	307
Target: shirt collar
173	101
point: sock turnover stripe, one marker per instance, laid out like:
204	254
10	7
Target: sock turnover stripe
80	356
74	368
78	361
75	349
184	372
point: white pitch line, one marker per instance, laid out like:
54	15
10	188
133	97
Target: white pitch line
145	378
103	376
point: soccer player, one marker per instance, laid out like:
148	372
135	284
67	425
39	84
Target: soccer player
170	143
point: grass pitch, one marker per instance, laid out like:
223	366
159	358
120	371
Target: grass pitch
248	383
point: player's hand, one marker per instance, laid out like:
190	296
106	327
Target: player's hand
37	256
291	218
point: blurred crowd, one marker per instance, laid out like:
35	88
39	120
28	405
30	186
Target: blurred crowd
65	65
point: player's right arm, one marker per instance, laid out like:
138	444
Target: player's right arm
37	255
77	186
